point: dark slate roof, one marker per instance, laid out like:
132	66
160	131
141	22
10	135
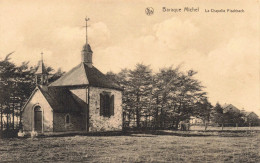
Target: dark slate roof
228	107
247	113
83	75
61	99
251	113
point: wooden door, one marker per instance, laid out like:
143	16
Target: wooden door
38	119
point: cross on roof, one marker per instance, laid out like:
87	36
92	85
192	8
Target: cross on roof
41	68
42	56
87	19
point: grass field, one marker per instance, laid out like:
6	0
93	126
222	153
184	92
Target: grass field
229	147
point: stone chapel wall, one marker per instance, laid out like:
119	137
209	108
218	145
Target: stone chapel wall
101	123
76	122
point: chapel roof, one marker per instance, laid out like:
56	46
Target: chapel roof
61	99
83	75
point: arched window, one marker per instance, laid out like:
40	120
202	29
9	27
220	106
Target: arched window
67	119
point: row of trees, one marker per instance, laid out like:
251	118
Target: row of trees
16	85
169	96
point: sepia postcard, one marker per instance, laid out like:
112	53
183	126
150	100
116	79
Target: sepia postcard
129	81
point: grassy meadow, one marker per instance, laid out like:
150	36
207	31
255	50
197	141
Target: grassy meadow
175	147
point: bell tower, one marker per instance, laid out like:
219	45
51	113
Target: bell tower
86	53
41	75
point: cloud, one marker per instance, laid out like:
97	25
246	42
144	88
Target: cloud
231	73
99	34
236	58
229	67
175	33
114	57
61	45
221	47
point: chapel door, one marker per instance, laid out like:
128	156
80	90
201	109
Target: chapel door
38	119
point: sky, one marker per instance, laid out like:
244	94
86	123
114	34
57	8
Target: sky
222	47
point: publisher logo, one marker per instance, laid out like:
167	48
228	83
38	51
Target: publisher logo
149	11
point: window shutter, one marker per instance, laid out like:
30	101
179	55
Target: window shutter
112	105
101	104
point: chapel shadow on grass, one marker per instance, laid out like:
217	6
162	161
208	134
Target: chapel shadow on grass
147	133
9	133
136	133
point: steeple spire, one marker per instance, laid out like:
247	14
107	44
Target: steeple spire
41	74
86	53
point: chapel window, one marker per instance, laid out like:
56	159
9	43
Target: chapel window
106	104
67	119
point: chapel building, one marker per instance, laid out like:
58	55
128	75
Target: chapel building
83	99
